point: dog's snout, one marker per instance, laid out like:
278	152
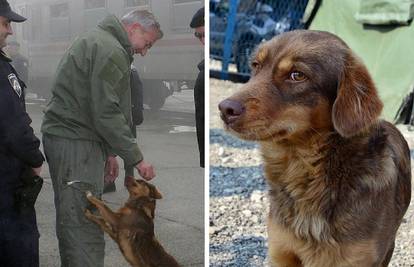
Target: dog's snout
231	110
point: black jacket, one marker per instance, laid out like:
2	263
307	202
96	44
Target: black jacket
199	110
137	98
19	147
21	65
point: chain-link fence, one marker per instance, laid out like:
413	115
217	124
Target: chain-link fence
237	27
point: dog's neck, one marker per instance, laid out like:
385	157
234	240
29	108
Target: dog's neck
303	178
292	170
139	202
285	161
147	204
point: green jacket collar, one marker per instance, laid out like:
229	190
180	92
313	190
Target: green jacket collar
112	25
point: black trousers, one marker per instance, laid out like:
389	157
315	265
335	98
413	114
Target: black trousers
19	239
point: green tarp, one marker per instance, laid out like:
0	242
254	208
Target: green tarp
387	50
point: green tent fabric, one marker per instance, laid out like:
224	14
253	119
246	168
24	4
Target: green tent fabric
388	51
385	12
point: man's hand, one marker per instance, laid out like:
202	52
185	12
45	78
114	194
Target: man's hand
37	170
145	170
111	169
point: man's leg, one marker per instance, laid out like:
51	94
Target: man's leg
76	167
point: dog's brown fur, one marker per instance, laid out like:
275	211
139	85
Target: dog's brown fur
132	226
339	177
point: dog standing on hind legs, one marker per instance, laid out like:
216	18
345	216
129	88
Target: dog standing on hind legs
339	177
132	226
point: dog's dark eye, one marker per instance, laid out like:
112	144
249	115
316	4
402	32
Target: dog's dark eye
255	65
297	76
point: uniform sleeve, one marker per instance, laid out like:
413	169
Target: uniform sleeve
15	131
199	94
110	122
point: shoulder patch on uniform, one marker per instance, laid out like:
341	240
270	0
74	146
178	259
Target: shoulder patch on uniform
14	82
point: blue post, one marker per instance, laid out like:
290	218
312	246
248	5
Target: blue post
229	38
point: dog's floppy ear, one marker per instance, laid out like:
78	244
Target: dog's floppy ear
155	193
357	105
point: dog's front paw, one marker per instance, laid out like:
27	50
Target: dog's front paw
89	194
88	213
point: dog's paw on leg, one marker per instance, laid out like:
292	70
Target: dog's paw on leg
88	213
88	194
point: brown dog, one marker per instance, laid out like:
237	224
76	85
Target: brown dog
339	177
132	226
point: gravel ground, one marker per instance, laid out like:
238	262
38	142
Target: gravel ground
239	203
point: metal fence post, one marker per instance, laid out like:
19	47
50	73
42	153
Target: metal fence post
229	38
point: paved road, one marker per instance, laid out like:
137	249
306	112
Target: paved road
167	140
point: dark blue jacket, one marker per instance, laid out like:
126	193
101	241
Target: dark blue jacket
19	147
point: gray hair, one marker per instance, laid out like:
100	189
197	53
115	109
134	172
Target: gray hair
145	18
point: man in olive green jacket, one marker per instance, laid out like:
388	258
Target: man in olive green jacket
87	120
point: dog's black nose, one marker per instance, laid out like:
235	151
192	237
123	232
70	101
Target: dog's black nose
230	110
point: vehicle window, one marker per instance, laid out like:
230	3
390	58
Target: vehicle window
134	3
92	4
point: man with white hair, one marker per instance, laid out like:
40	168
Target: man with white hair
87	121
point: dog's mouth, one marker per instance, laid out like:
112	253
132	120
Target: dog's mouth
256	130
228	121
235	126
275	124
136	188
247	120
261	135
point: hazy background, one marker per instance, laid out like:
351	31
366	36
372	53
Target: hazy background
53	24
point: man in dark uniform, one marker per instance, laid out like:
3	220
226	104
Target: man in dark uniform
197	23
19	150
19	62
